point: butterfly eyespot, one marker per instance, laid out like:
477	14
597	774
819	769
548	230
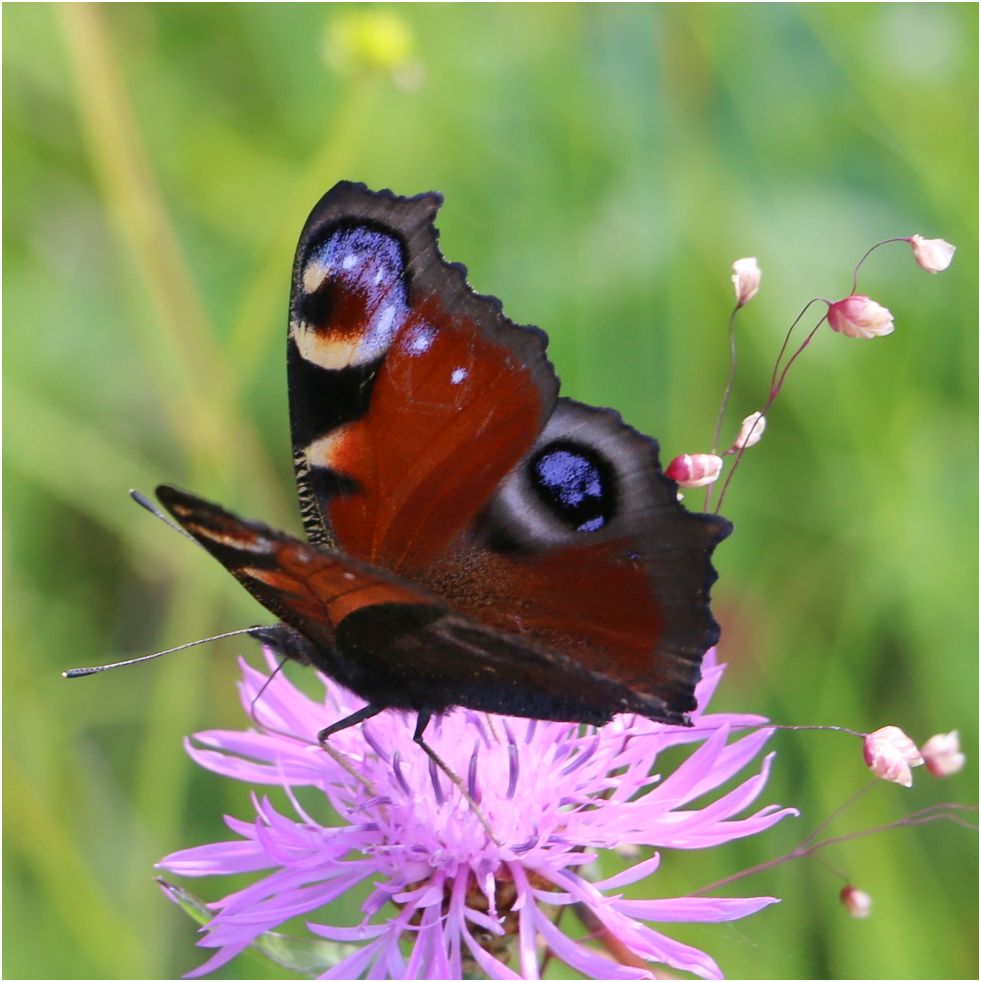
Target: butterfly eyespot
353	298
575	483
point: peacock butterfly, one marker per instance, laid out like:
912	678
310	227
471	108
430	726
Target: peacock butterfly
473	538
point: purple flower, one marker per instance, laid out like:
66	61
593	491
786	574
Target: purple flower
444	898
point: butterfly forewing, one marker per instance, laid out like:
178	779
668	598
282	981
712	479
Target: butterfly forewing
397	373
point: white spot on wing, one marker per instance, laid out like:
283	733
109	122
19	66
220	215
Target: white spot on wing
245	540
383	325
458	375
322	349
268	576
314	274
322	452
419	340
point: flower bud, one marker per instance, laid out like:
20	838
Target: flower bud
746	276
750	433
942	754
857	902
695	470
859	317
890	754
368	41
933	255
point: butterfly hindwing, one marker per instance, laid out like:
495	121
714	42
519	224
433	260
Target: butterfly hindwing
586	548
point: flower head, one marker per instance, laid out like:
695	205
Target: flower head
933	255
695	470
859	317
942	754
365	41
746	276
890	754
750	432
857	902
443	897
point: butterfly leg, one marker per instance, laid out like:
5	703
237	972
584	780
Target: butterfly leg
422	721
342	724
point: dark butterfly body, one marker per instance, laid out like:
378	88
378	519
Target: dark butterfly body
474	540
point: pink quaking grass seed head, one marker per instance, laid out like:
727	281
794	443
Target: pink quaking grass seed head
443	897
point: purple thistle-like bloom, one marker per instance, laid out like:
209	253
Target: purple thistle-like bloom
444	897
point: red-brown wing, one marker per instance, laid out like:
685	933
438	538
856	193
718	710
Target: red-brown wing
428	440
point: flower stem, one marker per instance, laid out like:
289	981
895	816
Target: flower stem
726	393
933	813
898	238
777	380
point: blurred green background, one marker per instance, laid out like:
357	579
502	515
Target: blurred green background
602	166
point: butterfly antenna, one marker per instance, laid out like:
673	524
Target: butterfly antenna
268	727
144	502
77	673
258	695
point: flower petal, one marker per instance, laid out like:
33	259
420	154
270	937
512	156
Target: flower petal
585	960
694	909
